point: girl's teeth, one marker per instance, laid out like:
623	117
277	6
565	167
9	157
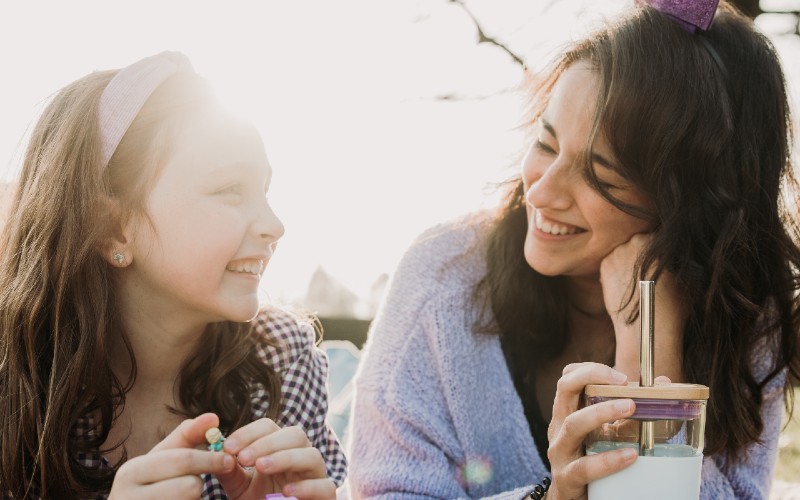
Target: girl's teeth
249	267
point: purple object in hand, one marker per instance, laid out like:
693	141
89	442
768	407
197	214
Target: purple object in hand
692	15
278	496
660	409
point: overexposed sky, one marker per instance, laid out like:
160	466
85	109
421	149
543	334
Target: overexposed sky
380	117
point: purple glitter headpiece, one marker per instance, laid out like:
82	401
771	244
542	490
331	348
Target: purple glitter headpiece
692	15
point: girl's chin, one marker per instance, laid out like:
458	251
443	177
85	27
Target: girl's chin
243	314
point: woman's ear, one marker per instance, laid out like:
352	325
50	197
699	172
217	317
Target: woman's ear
115	247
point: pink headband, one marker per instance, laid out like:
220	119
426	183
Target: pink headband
127	92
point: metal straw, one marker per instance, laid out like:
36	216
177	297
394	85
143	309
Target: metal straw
646	358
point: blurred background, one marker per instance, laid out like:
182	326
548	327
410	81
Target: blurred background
380	117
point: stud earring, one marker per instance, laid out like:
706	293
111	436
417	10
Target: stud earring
119	257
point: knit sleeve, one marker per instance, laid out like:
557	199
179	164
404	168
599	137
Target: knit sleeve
303	370
750	477
403	444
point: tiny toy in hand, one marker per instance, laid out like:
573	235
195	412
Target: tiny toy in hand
215	439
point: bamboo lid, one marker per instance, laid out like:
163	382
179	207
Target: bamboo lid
661	391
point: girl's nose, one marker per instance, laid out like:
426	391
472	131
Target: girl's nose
268	225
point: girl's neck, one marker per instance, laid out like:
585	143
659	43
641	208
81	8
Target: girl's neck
161	347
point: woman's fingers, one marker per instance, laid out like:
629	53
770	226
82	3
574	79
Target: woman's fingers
662	380
569	437
189	434
572	383
573	478
283	439
312	489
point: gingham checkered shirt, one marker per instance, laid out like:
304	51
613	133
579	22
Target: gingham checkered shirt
303	369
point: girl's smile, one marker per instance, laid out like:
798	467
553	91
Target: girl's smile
253	266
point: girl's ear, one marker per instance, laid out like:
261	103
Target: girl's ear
115	247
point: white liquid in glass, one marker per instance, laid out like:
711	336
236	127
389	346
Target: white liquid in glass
672	473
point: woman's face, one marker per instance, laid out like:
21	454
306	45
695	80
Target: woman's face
571	227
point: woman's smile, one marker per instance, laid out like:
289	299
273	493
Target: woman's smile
546	227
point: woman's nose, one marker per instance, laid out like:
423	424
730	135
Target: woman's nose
548	183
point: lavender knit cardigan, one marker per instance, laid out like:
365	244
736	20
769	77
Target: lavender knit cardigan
436	414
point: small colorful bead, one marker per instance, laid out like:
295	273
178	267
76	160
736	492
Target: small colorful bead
215	439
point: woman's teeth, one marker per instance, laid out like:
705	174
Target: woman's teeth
553	228
249	267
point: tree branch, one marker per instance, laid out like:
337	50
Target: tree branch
483	38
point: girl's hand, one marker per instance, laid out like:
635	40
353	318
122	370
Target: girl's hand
618	281
172	468
278	460
570	425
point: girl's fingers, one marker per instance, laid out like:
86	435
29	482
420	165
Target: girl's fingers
189	434
245	436
179	488
571	384
312	489
235	482
173	463
282	439
305	462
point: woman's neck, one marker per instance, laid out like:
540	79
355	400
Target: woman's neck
585	295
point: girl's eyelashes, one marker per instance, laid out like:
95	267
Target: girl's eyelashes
231	194
541	146
230	189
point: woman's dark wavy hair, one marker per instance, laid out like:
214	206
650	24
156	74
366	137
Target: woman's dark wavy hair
709	142
58	306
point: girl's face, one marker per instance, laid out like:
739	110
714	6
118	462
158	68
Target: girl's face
211	231
571	227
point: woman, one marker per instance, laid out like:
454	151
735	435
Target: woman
658	153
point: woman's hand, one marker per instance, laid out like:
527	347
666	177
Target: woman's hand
173	467
570	425
275	460
618	281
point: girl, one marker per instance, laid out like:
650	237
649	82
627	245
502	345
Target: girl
658	153
129	309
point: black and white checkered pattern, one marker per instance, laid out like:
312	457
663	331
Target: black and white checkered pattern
303	370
